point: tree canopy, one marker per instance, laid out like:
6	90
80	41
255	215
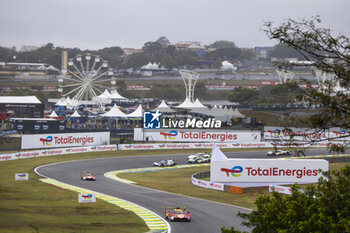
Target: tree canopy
321	208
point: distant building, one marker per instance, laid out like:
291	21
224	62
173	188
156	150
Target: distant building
28	48
21	106
186	44
163	41
129	51
262	52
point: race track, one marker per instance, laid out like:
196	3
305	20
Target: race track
207	216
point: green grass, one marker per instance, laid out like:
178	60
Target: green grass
32	206
167	180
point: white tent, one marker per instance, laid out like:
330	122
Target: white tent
237	114
75	114
105	95
163	107
115	95
114	112
186	104
150	66
225	65
198	104
53	114
138	113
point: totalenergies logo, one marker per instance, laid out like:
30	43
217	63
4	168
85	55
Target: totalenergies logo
340	133
93	148
22	175
128	147
171	135
198	145
235	171
47	140
162	146
18	155
236	144
87	196
275	132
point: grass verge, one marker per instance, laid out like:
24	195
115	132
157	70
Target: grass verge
168	179
32	206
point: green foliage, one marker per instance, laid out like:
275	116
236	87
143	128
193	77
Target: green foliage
225	54
331	56
168	92
322	208
284	51
243	95
222	44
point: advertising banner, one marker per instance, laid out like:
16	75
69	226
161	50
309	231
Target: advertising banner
207	184
267	170
59	151
21	176
339	134
32	141
155	146
282	189
299	134
86	198
196	135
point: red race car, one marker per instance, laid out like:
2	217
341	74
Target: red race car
177	213
87	176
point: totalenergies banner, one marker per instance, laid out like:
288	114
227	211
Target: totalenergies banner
64	140
196	135
299	134
267	170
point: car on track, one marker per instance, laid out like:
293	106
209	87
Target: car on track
88	176
165	163
278	152
177	213
199	158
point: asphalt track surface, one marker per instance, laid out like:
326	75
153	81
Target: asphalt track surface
207	216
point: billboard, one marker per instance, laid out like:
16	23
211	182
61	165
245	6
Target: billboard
32	141
196	135
267	170
300	134
86	198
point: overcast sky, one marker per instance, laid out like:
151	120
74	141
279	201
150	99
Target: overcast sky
95	24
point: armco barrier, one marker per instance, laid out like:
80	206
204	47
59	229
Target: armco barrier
58	151
196	180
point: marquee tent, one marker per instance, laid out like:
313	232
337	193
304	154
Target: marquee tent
114	112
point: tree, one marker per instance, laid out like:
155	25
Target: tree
222	44
331	56
284	51
321	208
243	95
325	207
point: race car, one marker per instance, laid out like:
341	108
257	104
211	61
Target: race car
199	158
87	176
177	213
278	152
165	163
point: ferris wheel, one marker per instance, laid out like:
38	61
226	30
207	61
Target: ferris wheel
86	75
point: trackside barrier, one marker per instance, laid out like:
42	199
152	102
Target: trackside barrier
113	147
59	151
196	180
152	220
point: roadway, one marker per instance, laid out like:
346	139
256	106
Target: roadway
207	216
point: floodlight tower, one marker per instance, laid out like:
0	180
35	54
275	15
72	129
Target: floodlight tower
285	75
190	78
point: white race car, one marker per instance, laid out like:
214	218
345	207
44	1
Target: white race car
165	163
199	158
278	152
